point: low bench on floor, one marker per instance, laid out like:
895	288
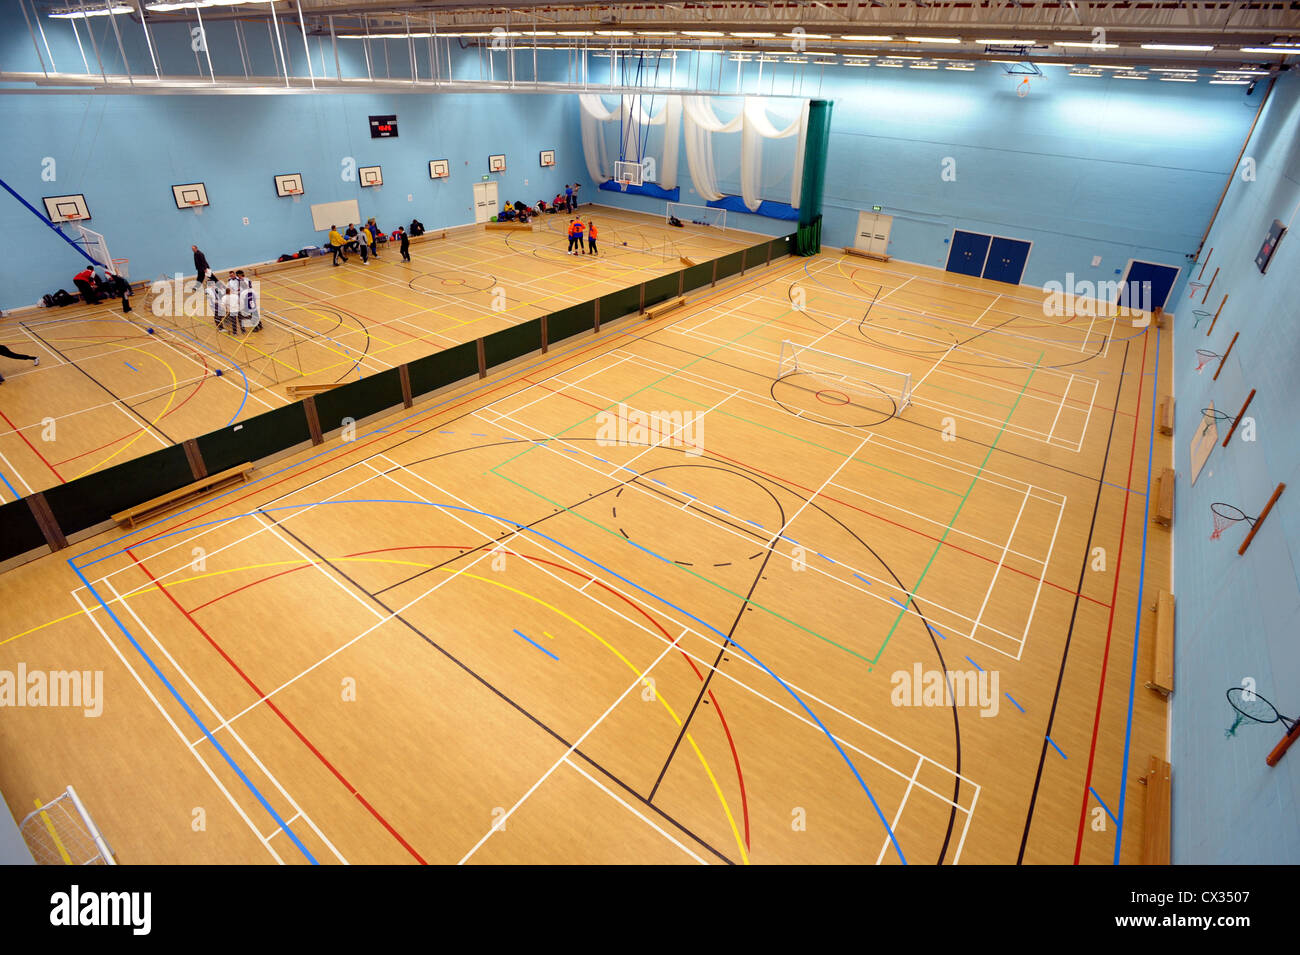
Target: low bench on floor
302	391
664	307
1164	515
1167	414
878	256
184	495
1162	669
1155	825
509	227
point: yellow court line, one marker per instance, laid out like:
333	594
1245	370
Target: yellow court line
717	788
58	843
143	431
338	350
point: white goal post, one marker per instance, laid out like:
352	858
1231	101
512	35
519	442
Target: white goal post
847	374
688	214
61	832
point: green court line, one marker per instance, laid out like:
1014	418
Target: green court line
962	503
814	444
954	391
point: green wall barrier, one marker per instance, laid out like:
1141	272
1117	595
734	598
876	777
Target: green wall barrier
571	321
93	499
661	289
19	531
511	343
729	264
442	368
359	399
269	433
698	276
617	304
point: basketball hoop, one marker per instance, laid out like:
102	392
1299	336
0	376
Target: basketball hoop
1212	416
122	267
196	205
1023	89
72	218
1201	315
1225	515
1203	357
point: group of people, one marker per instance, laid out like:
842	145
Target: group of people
233	303
516	212
365	241
566	201
577	229
94	289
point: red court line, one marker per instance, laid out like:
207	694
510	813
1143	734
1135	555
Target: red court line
735	756
276	710
18	431
853	507
1110	623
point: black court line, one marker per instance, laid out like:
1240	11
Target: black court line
1065	650
148	426
537	721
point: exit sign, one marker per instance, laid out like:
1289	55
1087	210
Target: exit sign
383	127
486	178
876	208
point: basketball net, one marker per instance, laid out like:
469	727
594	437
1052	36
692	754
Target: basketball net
1221	524
1202	361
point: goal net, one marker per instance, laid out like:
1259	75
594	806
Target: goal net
94	245
689	214
855	378
61	832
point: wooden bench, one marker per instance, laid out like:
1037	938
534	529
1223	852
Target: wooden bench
664	308
184	495
686	261
1155	824
1167	414
1162	668
509	227
877	256
1164	515
302	391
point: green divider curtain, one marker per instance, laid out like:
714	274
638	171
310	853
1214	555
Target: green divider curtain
359	399
442	368
571	321
19	531
249	440
511	343
660	289
93	499
698	276
617	304
816	147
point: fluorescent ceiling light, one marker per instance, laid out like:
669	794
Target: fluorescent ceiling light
1087	73
702	33
1104	66
755	36
932	39
1279	51
536	33
71	14
923	66
656	32
891	65
613	32
1130	76
399	36
1229	82
961	67
1083	45
1243	72
866	38
1186	48
574	33
1177	79
808	36
1008	42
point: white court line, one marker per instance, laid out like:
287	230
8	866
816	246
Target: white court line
90	614
1024	637
147	427
1064	396
898	814
215	712
10	469
1001	560
634	811
641	676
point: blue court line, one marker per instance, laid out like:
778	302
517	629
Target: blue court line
1013	702
823	556
8	485
755	523
197	722
190	528
865	581
446	432
238	367
1120	487
1137	623
540	647
571	451
131	366
899	602
935	630
1057	748
1103	805
717	507
975	665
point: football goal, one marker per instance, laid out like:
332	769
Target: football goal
835	372
688	214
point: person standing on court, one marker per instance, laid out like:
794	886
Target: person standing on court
568	198
336	245
576	187
578	229
201	267
363	245
5	352
406	244
591	236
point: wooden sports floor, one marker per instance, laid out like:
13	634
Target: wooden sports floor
108	389
507	626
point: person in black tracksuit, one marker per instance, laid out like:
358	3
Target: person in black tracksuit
201	267
406	244
17	357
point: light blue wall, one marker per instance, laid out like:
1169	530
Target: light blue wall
1237	616
1081	166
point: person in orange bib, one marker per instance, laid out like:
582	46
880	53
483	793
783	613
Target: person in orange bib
578	229
591	236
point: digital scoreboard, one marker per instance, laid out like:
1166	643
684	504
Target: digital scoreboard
383	127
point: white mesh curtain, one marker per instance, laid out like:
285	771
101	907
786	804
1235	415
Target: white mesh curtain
634	118
754	127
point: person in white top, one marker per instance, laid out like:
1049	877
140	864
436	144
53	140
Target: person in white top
250	316
213	292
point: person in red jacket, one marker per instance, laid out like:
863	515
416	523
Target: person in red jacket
87	282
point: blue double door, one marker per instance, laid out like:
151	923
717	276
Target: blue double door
988	256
